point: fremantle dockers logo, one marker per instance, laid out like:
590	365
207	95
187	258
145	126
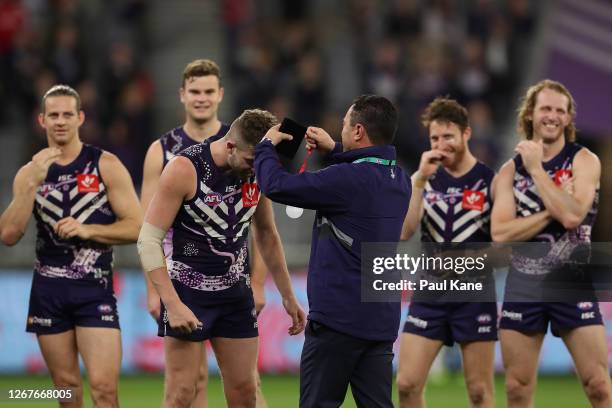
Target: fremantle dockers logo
473	200
250	194
88	183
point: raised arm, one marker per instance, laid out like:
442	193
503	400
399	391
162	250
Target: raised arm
14	220
570	209
124	202
428	165
268	241
505	225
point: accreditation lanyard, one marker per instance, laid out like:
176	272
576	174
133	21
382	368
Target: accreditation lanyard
376	160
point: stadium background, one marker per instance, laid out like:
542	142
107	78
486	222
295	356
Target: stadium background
303	59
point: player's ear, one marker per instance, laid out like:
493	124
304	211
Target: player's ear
360	132
81	117
41	120
182	94
467	133
221	93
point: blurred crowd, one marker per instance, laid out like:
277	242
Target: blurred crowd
303	58
96	47
298	57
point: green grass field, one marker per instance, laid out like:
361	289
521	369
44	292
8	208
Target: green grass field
282	392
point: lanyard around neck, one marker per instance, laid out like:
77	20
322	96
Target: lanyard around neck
376	160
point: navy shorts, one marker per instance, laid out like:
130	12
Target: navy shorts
453	322
234	318
533	317
59	304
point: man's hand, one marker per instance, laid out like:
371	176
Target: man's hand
181	318
41	162
532	154
298	317
153	304
68	227
318	139
276	136
430	161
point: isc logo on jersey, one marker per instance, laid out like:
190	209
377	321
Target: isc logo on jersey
250	194
213	199
88	183
473	200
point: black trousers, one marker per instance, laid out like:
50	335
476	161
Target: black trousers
332	360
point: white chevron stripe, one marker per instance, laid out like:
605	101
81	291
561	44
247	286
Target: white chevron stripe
212	215
247	215
46	218
526	201
210	231
433	215
85	200
56	194
459	205
245	226
432	231
49	206
465	234
85	214
470	215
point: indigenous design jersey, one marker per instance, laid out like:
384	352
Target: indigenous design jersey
210	231
562	242
172	143
75	190
458	209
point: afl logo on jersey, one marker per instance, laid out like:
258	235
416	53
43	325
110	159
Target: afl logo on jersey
213	199
561	176
433	196
250	194
88	183
473	200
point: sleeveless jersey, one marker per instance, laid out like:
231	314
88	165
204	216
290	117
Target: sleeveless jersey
76	190
559	242
176	140
210	231
458	209
172	143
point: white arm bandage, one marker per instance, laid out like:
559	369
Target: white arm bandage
150	247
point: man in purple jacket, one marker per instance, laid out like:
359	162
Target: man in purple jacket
362	197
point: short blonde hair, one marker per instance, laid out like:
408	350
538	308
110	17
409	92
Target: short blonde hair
525	111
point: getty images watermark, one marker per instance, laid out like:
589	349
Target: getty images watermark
564	271
430	267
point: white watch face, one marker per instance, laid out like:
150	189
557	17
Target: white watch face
294	212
